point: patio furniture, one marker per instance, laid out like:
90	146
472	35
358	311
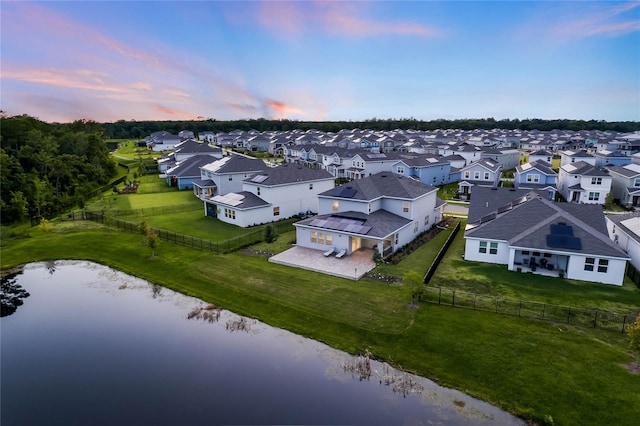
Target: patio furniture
341	253
329	252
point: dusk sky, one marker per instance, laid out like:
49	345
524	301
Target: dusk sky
320	60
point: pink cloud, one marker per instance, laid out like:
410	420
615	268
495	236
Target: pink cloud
342	18
281	109
175	113
606	21
71	79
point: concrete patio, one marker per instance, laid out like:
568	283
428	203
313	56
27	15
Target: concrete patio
353	266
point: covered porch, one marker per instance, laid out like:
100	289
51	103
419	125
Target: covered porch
540	262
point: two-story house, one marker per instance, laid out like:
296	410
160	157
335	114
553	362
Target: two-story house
570	156
226	175
581	182
536	175
382	212
268	196
625	184
429	169
479	173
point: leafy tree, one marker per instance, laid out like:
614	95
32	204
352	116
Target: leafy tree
152	241
633	331
269	236
414	283
143	228
17	207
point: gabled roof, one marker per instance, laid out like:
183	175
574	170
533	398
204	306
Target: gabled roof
424	161
583	169
235	164
630	224
383	184
191	146
288	173
541	152
629	170
539	165
189	167
239	200
486	163
529	224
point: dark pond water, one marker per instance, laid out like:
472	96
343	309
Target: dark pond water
94	346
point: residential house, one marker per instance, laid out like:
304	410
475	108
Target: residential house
624	231
625	184
186	172
469	152
162	141
581	182
537	175
541	154
506	157
480	173
277	193
429	169
367	163
184	150
382	212
226	175
533	234
606	158
569	157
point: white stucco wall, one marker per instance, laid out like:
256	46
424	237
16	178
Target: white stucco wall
614	274
472	251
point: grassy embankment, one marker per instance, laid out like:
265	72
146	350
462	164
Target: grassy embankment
535	369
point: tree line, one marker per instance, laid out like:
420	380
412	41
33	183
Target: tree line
49	168
139	129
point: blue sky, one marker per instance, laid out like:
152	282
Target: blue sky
320	60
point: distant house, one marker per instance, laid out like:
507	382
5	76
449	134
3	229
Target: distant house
624	231
606	158
428	169
225	175
162	141
184	150
480	173
536	175
541	154
186	172
532	234
507	158
581	182
569	157
382	212
625	184
277	193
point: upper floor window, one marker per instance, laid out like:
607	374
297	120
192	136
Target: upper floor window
310	186
596	181
405	206
476	175
636	182
336	205
467	174
258	191
276	211
533	178
400	170
486	175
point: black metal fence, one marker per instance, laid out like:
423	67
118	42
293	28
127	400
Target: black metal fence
633	274
217	247
440	255
523	308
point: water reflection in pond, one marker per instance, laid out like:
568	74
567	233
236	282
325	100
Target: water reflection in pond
94	346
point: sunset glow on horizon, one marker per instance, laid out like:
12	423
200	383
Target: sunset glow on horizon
320	60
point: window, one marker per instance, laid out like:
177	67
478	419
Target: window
525	252
589	262
434	179
276	211
320	238
230	178
467	174
594	196
329	239
483	247
596	181
310	186
369	207
405	207
476	175
314	237
336	206
230	213
636	182
486	175
603	265
533	178
400	170
426	220
258	191
493	248
415	227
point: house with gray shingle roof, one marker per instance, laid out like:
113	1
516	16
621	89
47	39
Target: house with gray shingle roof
225	175
537	175
184	173
271	195
382	212
624	231
532	234
625	184
584	183
483	172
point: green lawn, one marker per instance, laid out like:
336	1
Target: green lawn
535	369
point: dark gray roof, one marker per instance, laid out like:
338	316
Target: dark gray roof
527	225
584	169
619	218
485	200
540	165
206	183
249	201
238	164
288	173
190	146
423	160
624	171
381	222
541	152
384	184
190	167
486	163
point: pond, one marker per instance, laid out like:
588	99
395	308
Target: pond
91	345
